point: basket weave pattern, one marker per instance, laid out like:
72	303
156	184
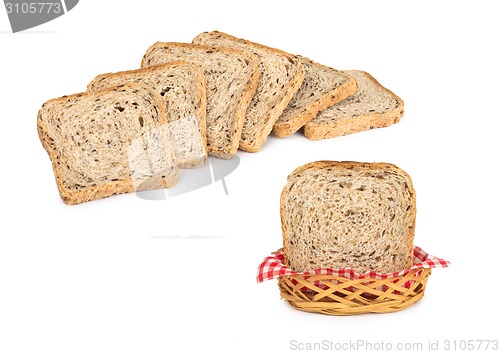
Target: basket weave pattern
334	295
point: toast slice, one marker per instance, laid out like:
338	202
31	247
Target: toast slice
348	215
107	142
182	87
372	106
322	88
231	77
281	75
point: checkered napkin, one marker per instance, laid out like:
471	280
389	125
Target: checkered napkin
273	267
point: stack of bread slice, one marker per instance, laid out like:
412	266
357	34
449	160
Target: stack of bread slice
133	130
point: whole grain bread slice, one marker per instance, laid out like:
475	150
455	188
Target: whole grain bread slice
322	87
107	142
348	215
182	87
372	106
231	77
281	75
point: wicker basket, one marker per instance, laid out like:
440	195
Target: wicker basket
333	295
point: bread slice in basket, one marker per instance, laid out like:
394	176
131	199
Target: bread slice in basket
182	87
107	142
348	215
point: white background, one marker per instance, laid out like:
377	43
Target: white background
109	276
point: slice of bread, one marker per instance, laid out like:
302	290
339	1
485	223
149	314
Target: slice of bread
232	78
107	142
281	75
322	88
348	215
372	106
183	90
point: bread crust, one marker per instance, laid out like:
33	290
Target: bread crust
250	87
202	124
108	188
316	131
290	88
346	165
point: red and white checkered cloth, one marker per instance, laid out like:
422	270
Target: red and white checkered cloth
273	267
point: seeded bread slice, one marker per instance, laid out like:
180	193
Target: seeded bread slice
107	142
182	87
322	87
372	106
232	78
281	75
348	215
